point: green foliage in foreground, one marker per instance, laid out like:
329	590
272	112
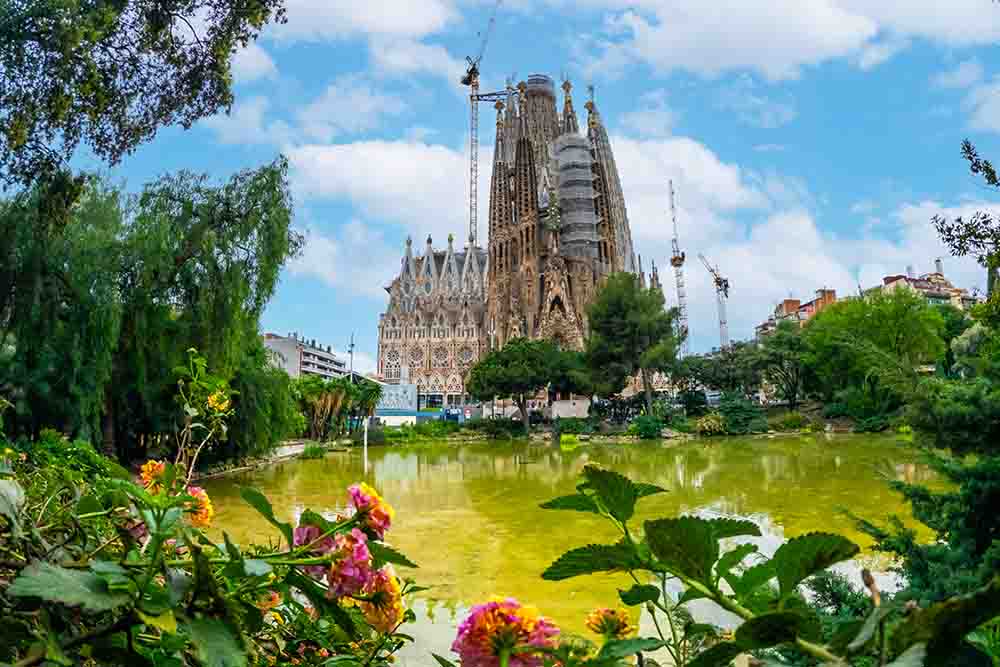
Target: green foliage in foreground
646	427
742	417
690	550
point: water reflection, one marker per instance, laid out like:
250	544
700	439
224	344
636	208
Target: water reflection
469	515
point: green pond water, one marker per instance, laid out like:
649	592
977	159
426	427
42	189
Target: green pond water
468	515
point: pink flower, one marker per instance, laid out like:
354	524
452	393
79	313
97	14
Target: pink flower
378	513
351	569
307	535
499	626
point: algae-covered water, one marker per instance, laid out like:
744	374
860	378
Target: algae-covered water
468	514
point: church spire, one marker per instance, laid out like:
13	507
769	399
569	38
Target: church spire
525	178
569	122
500	197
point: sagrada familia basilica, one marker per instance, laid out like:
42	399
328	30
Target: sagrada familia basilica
557	228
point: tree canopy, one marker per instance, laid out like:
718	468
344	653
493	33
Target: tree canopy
518	370
782	357
631	332
109	74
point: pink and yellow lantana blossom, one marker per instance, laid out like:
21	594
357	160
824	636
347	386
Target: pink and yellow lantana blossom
378	514
152	474
611	623
495	628
385	610
350	568
202	510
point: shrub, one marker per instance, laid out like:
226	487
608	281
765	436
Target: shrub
376	436
569	439
313	451
790	421
646	427
681	425
962	415
694	402
576	425
742	416
497	429
875	424
53	449
834	410
710	424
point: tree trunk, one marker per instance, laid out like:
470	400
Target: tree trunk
108	426
522	406
647	390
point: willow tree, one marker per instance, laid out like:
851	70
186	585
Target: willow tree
109	74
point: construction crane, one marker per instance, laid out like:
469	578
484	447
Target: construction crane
677	261
471	79
721	294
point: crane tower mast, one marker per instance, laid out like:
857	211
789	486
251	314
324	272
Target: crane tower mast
677	261
722	295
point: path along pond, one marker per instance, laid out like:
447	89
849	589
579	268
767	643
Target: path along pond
468	515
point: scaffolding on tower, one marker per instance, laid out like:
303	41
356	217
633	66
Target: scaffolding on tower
677	261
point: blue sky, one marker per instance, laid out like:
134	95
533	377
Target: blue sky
810	141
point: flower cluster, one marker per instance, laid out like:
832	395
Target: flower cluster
306	534
496	628
378	514
152	475
384	610
201	509
218	401
351	569
610	623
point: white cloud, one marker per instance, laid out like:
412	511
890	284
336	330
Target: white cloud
406	57
339	19
246	124
983	105
252	63
349	105
755	108
654	118
874	54
354	258
966	73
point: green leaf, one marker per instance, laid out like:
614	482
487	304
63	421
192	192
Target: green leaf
215	643
685	545
259	502
734	528
382	553
578	502
769	630
807	555
620	648
310	518
615	491
642	489
720	655
592	558
118	472
89	504
11	502
732	558
255	567
639	594
867	630
443	662
342	661
752	578
166	621
912	657
69	587
115	575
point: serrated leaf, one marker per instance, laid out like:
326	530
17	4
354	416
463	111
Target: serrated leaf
443	662
642	489
259	502
592	558
382	553
255	567
639	594
620	648
807	555
615	491
868	628
769	630
720	655
166	621
732	558
725	527
578	502
912	657
685	545
752	578
215	643
69	587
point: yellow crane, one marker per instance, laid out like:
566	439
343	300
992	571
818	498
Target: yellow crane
722	295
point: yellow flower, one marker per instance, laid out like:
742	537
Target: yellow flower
385	610
218	401
201	510
152	471
612	623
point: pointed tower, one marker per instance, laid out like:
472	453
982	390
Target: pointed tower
428	270
642	274
617	235
500	199
450	279
569	122
525	174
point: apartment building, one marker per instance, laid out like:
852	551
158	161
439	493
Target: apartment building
299	356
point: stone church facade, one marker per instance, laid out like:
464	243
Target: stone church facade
557	227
